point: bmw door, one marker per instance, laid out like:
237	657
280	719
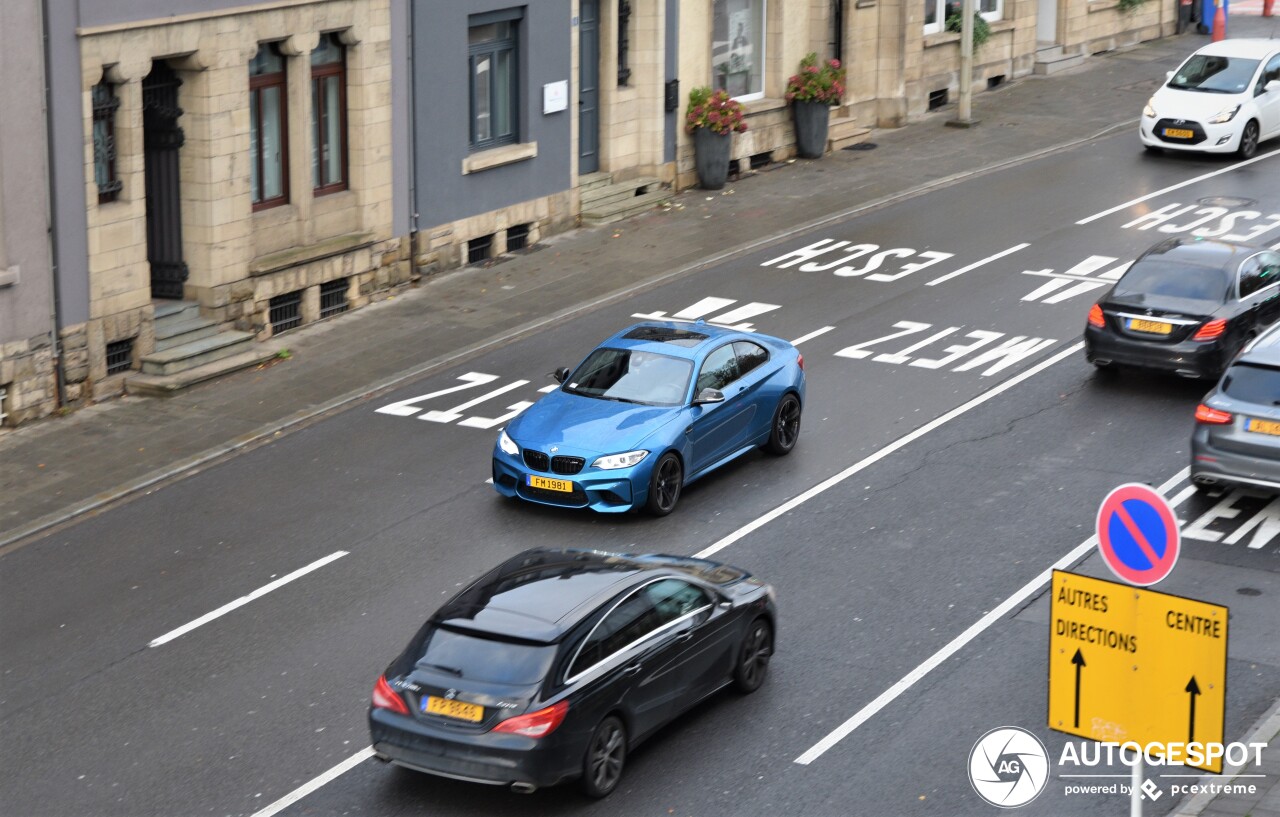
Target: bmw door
716	426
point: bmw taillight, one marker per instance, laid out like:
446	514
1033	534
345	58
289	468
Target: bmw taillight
384	697
1096	317
800	361
1211	416
536	724
1211	330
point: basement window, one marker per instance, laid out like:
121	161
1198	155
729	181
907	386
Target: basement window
286	312
333	297
995	82
937	99
479	249
517	237
119	356
4	402
759	160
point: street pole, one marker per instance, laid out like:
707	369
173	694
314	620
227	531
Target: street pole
964	118
1135	788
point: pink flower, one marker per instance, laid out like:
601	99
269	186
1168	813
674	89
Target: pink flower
834	63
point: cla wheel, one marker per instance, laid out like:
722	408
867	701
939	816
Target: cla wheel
664	485
1249	140
606	754
786	426
753	658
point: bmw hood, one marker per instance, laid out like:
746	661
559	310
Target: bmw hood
588	424
1198	106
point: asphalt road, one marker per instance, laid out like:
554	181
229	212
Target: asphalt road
938	301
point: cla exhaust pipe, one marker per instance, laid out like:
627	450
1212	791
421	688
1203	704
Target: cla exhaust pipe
523	788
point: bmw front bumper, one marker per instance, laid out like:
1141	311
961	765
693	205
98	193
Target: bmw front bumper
614	491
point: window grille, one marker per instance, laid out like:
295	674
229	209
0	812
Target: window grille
286	312
478	249
333	297
517	237
119	356
105	105
4	403
624	42
937	99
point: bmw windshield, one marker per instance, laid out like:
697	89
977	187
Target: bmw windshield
1214	75
632	376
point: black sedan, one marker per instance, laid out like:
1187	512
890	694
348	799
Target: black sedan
1186	306
556	663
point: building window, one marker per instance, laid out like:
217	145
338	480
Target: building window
268	126
285	311
4	405
105	105
492	65
938	12
737	47
119	356
333	297
624	42
328	116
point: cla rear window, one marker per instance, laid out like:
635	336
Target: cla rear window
484	659
1175	281
1253	384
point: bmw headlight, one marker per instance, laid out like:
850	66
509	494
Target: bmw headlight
507	444
1150	110
620	460
1225	116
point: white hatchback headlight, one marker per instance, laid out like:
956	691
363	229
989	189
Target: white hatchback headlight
1225	116
620	460
1150	110
507	444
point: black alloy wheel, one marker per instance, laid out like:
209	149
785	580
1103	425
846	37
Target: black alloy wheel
786	426
753	659
606	755
665	485
1249	140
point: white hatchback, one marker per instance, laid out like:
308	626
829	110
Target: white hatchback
1224	99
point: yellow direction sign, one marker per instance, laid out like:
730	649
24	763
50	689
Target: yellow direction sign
1131	664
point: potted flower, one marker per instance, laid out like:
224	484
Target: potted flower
712	118
811	93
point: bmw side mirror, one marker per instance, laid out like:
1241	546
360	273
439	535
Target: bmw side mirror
561	374
709	396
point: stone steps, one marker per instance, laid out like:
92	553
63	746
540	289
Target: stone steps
606	195
171	333
844	131
196	353
191	349
593	180
622	208
1051	60
166	385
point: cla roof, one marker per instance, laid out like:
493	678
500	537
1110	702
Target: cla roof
540	594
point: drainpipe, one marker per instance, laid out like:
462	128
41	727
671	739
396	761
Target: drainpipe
413	132
55	316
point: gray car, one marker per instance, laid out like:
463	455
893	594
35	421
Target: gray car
1237	436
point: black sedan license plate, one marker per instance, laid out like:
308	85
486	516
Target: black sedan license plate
563	486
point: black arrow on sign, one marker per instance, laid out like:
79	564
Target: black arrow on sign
1078	660
1193	689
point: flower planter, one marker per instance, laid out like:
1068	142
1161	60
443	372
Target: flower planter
811	120
711	157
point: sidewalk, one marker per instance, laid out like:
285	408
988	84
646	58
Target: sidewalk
1265	776
60	468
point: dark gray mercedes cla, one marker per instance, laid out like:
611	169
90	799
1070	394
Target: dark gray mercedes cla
555	664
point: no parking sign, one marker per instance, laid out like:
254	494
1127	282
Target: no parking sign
1138	534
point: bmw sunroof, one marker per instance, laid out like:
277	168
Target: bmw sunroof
666	334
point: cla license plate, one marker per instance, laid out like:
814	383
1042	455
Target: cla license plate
1271	427
1179	133
1155	327
453	709
564	486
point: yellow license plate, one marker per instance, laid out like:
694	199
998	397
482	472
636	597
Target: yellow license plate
564	486
454	709
1179	133
1156	327
1264	427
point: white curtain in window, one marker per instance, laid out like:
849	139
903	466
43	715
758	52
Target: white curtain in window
737	46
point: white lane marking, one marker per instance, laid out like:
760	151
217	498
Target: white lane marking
243	600
977	264
824	330
306	788
1178	186
901	442
907	681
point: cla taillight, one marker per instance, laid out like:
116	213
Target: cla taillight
1095	317
536	724
384	697
1212	329
1212	416
800	361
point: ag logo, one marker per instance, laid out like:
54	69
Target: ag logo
1008	767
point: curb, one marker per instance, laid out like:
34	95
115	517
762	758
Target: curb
1265	728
